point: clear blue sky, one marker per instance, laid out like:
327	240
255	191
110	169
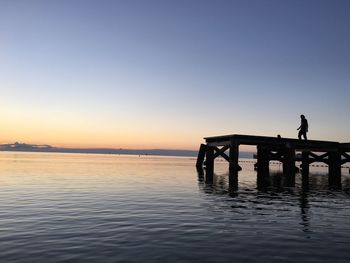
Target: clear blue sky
164	74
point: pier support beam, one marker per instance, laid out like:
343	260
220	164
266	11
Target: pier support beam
233	165
209	162
289	166
305	163
263	163
201	155
305	169
334	166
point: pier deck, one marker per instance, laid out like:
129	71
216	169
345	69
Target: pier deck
334	154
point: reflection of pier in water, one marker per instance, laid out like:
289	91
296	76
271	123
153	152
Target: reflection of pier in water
274	196
284	150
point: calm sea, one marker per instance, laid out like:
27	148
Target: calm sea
110	208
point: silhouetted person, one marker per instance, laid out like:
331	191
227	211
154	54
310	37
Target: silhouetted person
304	128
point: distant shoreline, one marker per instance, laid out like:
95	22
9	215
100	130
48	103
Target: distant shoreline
22	147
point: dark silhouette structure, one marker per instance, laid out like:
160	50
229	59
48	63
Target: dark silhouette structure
284	150
303	128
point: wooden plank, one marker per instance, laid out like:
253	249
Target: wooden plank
272	142
253	139
218	144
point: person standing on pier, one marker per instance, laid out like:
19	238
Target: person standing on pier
303	128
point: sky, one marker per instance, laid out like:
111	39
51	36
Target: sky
165	74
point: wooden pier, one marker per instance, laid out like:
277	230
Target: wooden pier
285	150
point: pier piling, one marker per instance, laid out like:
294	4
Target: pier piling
233	164
201	155
209	163
263	163
334	168
289	165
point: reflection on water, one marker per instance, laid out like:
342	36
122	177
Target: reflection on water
276	180
274	190
108	208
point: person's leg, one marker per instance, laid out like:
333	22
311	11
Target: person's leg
299	135
304	135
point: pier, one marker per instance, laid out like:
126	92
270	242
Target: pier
285	150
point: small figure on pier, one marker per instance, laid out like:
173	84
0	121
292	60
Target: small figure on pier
303	128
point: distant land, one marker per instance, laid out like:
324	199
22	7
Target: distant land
24	147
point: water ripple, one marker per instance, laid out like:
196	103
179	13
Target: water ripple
106	208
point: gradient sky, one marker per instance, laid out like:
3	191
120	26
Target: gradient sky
164	74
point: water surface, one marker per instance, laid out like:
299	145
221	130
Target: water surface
112	208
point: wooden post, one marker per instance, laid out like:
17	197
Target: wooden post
305	169
289	165
209	163
262	165
201	155
200	171
233	165
305	163
334	166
